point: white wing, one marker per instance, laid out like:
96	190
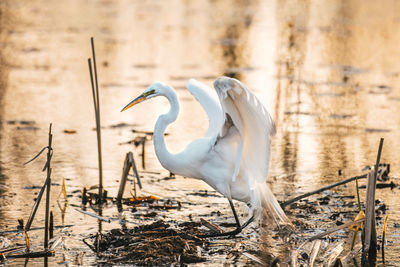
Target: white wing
210	103
254	124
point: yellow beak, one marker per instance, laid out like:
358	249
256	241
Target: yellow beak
137	100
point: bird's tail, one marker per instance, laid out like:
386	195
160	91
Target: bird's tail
265	205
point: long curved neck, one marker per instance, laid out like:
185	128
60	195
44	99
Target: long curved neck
166	159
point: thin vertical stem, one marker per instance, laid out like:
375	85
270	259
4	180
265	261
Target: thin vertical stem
143	153
98	128
48	181
96	104
51	227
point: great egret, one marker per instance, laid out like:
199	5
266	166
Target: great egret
233	156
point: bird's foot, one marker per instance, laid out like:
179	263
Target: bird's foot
219	234
232	233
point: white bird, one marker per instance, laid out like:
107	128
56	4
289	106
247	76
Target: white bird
233	156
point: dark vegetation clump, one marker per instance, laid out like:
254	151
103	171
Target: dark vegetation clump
154	244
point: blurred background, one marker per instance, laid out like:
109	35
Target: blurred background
328	72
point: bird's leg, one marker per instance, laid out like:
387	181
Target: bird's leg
238	229
234	214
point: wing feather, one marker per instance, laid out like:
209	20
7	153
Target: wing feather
210	103
254	124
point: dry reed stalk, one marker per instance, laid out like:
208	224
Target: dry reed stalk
96	102
369	232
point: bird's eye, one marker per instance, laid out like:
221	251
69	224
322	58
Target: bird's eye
149	92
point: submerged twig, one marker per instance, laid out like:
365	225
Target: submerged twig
2	233
290	201
332	230
94	215
38	254
11	250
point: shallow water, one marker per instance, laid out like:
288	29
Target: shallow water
328	72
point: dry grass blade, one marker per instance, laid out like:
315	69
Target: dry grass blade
63	191
335	253
28	241
314	252
211	226
357	227
294	254
293	258
55	242
352	254
254	258
358	196
384	238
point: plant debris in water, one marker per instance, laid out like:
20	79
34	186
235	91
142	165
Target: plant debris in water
153	244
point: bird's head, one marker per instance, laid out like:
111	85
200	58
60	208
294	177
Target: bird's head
153	90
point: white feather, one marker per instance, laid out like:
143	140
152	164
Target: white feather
255	126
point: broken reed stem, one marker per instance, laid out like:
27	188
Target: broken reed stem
290	201
96	102
132	161
370	240
124	177
35	207
48	183
143	153
38	254
128	163
51	228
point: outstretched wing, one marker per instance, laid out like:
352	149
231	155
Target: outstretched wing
254	124
210	103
